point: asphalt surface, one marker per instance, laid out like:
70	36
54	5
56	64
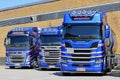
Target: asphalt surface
53	74
37	74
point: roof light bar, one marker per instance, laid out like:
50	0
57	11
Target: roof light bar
49	31
82	13
18	29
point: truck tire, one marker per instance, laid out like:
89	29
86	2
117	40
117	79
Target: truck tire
12	67
35	63
113	63
116	61
43	69
66	74
109	65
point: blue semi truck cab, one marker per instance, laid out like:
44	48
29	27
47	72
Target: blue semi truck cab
22	47
50	47
88	43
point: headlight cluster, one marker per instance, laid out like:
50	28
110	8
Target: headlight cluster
99	60
97	52
28	60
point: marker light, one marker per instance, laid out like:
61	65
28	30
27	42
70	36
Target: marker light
73	13
84	12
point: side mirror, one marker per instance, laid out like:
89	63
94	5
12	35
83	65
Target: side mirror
5	42
107	31
31	42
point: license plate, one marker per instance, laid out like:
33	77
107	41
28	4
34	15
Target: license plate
80	69
17	64
51	66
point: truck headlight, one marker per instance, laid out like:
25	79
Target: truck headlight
100	45
97	52
28	59
98	60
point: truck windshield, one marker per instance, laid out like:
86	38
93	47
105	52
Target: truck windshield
76	32
17	43
50	40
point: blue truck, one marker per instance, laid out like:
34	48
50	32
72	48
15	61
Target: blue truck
23	47
88	43
50	47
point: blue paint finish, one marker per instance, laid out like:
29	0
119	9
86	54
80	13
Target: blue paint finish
20	52
85	52
50	44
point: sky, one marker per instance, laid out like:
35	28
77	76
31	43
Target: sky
4	4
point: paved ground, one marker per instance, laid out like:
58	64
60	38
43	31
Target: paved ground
37	74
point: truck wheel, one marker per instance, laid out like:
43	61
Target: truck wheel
65	74
109	69
35	63
109	66
104	72
12	67
43	69
113	63
116	61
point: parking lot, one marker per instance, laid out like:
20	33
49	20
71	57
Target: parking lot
37	74
53	74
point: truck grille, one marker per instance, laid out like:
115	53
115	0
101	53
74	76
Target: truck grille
51	61
81	55
17	57
52	56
